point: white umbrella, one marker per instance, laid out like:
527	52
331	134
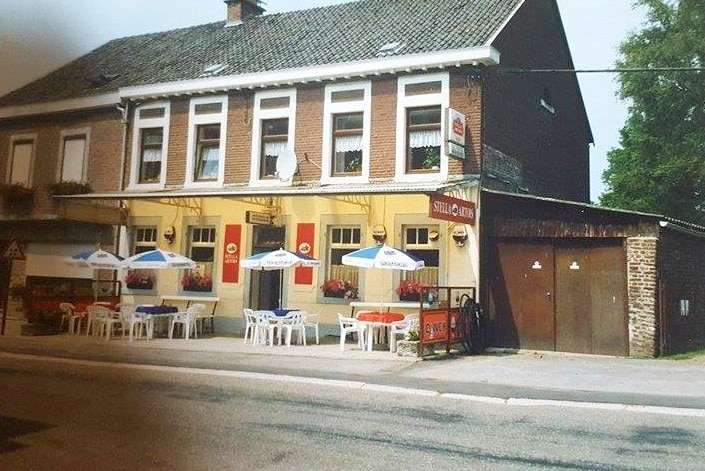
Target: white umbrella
385	257
278	260
158	259
96	259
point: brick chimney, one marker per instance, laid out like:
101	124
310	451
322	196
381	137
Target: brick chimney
238	10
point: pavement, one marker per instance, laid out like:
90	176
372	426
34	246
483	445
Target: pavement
526	378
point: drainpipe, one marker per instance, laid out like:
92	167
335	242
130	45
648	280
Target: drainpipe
124	109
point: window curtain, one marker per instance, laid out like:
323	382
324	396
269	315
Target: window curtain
274	148
152	155
425	138
348	143
210	154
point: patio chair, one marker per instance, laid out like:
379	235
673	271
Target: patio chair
186	319
73	319
292	322
132	320
401	328
104	321
265	325
350	325
310	320
250	323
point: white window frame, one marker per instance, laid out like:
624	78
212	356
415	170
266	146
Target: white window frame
404	102
67	134
202	119
264	114
11	160
145	123
329	110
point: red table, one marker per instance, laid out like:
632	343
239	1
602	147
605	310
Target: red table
376	319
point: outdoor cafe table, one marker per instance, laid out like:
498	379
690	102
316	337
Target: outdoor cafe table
152	312
379	306
377	319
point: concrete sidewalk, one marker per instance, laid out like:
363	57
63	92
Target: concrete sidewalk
507	376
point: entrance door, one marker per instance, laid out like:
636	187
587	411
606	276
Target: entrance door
522	296
266	285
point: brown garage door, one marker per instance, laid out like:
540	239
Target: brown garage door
559	295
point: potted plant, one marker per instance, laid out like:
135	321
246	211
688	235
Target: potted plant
409	290
354	165
432	159
339	289
69	187
140	279
195	281
17	198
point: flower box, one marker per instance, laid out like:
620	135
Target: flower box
341	289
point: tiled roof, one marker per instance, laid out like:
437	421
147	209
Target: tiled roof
342	33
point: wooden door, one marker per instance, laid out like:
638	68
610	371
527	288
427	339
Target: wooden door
608	300
522	295
573	322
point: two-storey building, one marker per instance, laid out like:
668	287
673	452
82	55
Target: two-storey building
321	130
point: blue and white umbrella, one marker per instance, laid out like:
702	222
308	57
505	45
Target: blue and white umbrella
278	260
158	259
383	256
96	259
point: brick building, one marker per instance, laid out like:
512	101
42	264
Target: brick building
313	129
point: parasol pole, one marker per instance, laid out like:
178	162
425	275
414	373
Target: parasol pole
281	286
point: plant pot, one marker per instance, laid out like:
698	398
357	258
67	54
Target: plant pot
141	285
409	297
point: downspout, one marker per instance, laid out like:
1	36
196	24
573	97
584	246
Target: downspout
124	109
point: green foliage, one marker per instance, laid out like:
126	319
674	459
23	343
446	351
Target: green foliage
659	166
413	335
69	188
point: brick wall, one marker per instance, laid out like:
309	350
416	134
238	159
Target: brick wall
642	293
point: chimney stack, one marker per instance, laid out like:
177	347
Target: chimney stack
238	10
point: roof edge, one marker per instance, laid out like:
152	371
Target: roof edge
83	103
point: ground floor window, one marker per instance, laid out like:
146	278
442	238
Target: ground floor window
144	239
201	249
418	241
341	281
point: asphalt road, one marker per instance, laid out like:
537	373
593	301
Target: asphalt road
81	415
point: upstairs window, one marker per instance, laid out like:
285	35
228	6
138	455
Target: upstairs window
206	141
421	102
149	150
275	139
207	152
74	155
22	158
346	131
272	133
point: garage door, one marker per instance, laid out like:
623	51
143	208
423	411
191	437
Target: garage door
559	295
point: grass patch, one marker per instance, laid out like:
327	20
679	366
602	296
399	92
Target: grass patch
685	356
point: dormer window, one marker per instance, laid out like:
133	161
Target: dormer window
545	102
214	69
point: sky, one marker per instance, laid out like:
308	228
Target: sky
38	36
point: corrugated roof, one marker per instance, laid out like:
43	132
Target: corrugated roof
335	34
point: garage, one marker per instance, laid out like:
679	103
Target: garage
565	295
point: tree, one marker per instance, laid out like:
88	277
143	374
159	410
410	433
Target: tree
660	164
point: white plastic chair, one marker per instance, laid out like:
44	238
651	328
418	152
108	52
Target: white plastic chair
186	319
265	325
132	320
292	322
250	323
402	328
104	320
349	325
72	318
309	320
200	317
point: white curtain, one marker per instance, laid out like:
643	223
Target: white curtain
274	148
348	143
210	154
152	155
425	139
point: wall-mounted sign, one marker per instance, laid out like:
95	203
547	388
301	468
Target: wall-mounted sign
455	133
451	209
253	217
305	234
231	253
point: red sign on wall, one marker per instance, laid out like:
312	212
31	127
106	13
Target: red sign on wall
305	232
231	253
452	209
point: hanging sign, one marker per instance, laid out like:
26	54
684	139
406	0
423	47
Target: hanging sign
452	209
231	253
304	244
455	133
